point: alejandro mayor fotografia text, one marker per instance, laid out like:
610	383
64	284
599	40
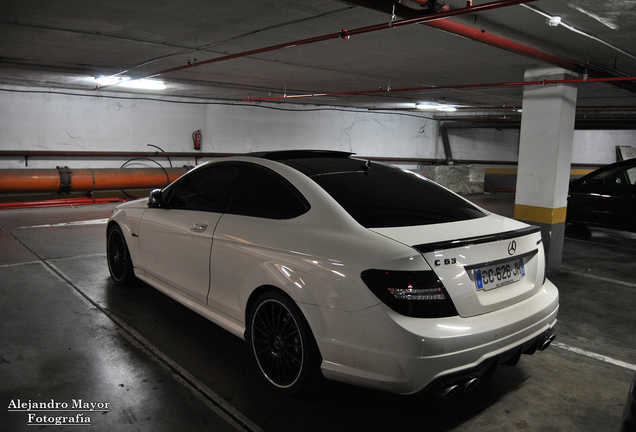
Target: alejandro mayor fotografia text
53	412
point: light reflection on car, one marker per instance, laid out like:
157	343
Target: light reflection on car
335	267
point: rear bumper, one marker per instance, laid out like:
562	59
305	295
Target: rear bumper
381	349
448	385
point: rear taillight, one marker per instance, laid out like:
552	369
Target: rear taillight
418	294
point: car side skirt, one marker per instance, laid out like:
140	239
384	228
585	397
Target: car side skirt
227	323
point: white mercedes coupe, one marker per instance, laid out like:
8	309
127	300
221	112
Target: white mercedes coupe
335	267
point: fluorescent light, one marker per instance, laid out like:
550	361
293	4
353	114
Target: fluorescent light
431	106
144	84
123	81
108	80
426	106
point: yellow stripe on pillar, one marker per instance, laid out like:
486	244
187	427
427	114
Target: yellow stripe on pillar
501	171
542	215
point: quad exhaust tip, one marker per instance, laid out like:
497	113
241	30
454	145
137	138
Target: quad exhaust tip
452	389
546	342
470	384
449	392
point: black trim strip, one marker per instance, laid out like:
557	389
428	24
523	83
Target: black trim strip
451	244
528	255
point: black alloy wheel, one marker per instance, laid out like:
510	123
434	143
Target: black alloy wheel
119	262
282	345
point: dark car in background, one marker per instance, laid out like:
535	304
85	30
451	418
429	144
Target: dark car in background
605	197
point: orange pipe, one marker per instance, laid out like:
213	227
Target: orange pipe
85	180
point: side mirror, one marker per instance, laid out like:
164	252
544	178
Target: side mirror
155	199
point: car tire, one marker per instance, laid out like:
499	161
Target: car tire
120	264
282	345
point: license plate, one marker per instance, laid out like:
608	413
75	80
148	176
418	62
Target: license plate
499	275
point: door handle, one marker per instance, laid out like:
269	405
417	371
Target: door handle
198	228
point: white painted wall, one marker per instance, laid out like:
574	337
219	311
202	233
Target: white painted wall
484	144
595	147
36	119
599	146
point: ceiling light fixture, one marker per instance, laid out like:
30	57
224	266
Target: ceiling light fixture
426	106
108	80
141	84
144	84
431	106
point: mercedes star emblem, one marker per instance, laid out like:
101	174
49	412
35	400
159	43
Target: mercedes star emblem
512	247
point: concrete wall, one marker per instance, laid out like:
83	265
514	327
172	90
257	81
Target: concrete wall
484	144
48	119
36	119
599	146
594	147
459	179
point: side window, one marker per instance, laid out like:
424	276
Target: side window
604	181
206	189
631	176
267	195
620	178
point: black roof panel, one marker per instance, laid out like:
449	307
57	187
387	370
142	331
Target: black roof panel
318	162
281	155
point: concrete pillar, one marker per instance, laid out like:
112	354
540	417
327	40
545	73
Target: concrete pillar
545	156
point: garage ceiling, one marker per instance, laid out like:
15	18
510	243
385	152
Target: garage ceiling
65	44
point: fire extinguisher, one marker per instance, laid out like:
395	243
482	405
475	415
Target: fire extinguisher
196	139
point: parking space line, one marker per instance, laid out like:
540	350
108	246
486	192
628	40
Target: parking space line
595	356
19	264
67	224
597	243
41	260
601	278
214	401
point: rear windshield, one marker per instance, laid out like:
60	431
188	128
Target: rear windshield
395	198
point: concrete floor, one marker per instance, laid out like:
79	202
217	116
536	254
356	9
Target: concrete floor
67	333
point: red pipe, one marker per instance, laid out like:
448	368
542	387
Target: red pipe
85	180
345	34
452	87
500	42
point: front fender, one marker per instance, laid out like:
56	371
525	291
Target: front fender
128	216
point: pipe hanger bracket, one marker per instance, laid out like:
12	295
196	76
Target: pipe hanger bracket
65	179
